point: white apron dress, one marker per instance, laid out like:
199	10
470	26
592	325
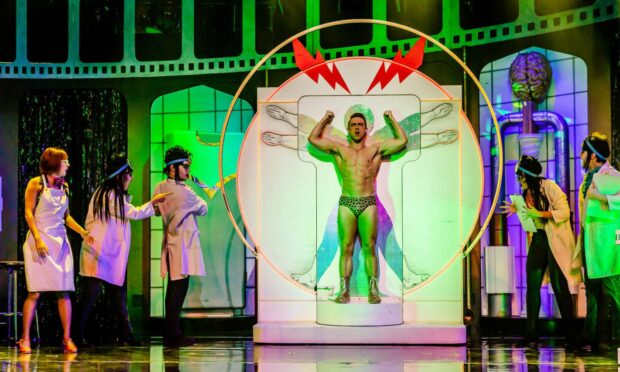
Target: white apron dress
53	272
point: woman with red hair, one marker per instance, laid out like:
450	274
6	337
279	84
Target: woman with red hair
48	259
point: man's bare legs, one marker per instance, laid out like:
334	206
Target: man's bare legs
367	227
348	228
347	232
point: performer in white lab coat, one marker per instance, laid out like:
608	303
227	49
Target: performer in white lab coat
551	251
181	254
105	262
599	243
48	259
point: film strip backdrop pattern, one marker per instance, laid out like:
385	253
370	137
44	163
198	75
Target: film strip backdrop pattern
250	18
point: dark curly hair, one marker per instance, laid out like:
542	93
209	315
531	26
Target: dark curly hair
175	153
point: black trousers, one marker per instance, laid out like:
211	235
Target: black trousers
175	296
539	258
90	289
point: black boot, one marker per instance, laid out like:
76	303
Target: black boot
344	295
373	291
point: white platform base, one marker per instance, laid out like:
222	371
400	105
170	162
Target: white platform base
360	313
355	358
404	334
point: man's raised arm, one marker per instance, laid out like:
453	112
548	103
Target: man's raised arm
316	136
393	145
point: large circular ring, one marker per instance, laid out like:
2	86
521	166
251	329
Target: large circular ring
467	248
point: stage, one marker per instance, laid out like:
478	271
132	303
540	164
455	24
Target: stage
244	355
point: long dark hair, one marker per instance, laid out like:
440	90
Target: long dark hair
529	164
114	182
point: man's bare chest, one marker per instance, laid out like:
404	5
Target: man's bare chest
364	158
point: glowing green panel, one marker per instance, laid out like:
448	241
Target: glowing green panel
176	119
175	122
235	121
246	118
202	121
157	302
245	105
157	158
177	101
157	106
222	101
156	279
201	99
157	128
156	239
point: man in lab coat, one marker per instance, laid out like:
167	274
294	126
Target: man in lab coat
599	243
181	254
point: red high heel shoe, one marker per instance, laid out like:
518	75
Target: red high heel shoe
24	349
68	346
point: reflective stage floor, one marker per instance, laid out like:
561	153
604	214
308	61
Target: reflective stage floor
244	355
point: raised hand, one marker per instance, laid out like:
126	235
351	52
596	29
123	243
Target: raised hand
508	208
329	116
159	198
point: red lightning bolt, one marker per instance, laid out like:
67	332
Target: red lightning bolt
315	67
413	59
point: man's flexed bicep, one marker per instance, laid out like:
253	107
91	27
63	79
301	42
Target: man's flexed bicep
316	137
393	145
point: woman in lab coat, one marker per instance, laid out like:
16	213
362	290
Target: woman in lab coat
551	250
599	241
105	262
